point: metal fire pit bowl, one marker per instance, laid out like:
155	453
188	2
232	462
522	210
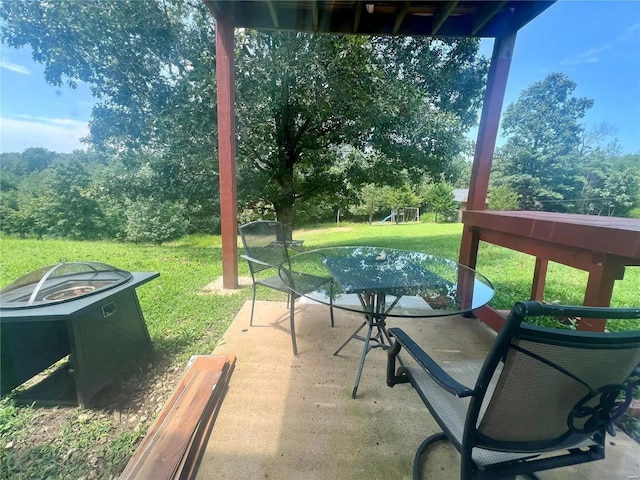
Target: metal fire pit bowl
87	310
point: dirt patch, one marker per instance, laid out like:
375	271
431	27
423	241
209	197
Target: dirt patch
215	287
94	442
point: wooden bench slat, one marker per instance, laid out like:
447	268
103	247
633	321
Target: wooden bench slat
174	444
169	444
191	461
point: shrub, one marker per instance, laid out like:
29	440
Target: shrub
148	221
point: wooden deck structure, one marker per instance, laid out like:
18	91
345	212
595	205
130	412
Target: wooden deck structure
602	246
499	20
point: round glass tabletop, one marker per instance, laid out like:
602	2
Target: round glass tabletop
389	282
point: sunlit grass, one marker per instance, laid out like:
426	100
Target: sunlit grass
184	322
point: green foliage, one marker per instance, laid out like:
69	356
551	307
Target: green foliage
501	197
372	199
439	198
162	179
312	212
431	96
299	98
543	131
151	66
611	186
12	418
428	217
553	163
31	160
121	449
131	54
65	207
149	221
545	118
397	199
54	202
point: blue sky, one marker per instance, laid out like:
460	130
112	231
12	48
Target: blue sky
595	43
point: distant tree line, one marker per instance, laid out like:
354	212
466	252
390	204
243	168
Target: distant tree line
551	162
325	123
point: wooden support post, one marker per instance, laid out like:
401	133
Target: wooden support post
225	78
469	247
489	121
485	146
598	294
539	279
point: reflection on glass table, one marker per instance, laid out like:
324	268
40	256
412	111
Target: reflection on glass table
380	282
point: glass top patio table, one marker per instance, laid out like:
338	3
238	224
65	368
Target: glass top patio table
381	282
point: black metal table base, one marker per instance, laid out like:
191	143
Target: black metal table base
377	319
378	339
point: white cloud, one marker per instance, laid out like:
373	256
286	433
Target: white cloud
588	56
633	28
630	34
57	134
14	67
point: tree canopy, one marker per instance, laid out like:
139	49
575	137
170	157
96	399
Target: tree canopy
300	97
543	129
552	162
318	118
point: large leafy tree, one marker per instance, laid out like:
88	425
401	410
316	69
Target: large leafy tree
129	52
301	98
372	199
64	207
543	129
611	185
150	65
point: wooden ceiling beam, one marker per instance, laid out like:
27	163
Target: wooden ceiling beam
274	13
441	15
485	15
400	17
213	7
356	21
316	15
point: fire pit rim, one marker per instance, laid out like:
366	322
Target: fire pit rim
39	290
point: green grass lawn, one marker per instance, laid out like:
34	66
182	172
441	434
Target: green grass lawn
183	322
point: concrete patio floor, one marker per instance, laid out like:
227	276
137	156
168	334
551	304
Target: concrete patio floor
290	418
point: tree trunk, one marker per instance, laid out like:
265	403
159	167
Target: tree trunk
284	204
284	214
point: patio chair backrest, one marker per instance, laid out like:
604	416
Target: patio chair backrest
263	240
555	387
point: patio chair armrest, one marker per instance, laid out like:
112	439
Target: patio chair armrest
428	364
258	262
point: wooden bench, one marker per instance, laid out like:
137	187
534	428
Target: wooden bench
173	446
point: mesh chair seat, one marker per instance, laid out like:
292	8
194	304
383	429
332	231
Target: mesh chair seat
452	410
274	282
543	398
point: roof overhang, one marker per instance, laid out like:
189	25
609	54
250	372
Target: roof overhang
426	18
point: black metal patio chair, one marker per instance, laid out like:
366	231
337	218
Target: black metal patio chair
265	250
543	398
